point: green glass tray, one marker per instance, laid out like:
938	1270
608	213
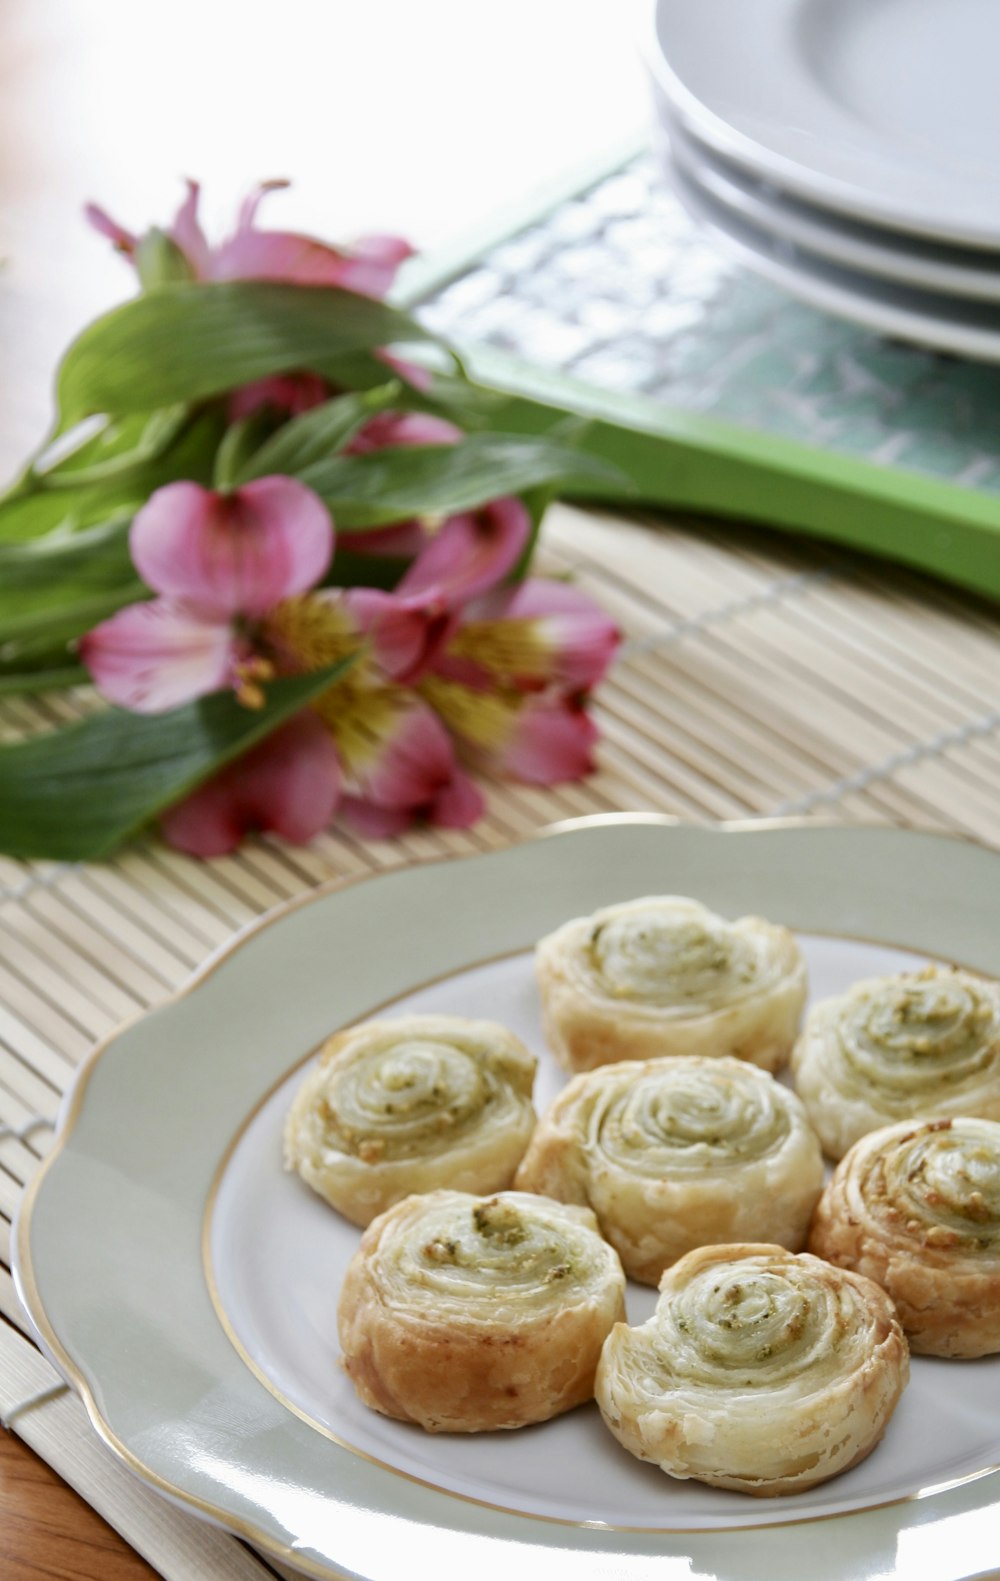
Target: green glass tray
710	388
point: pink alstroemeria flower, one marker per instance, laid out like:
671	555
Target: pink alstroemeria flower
402	428
543	738
472	553
538	633
456	805
288	393
369	267
220	563
398	760
513	677
400	540
551	740
451	656
403	769
289	784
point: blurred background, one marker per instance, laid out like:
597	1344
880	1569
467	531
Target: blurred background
419	119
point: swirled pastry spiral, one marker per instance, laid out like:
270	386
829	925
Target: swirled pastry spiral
917	1208
760	1370
466	1313
677	1153
395	1107
896	1048
665	975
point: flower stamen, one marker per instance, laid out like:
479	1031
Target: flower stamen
248	674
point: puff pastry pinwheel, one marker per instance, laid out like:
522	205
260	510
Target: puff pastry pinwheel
760	1370
897	1048
395	1107
665	975
465	1314
677	1153
917	1208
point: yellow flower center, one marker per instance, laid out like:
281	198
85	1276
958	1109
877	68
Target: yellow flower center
484	719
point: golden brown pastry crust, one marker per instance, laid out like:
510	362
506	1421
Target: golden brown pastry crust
466	1314
760	1370
677	1153
899	1048
917	1208
410	1105
664	975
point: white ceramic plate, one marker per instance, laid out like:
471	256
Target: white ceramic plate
188	1286
867	249
887	110
952	324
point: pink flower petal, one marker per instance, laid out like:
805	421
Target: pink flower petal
552	741
470	554
418	377
540	631
372	264
186	231
251	254
153	657
290	784
373	822
369	267
403	428
292	393
394	749
247	217
125	241
467	672
233	554
280	255
405	639
459	804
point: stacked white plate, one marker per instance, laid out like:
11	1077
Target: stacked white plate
849	150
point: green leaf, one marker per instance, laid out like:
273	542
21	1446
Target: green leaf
455	397
391	484
30	682
189	341
240	443
159	260
154	432
357	370
354	569
75	795
536	502
318	434
32	655
36	511
365	370
76	576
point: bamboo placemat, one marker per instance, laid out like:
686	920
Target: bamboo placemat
758	677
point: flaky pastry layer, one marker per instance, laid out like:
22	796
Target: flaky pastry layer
917	1208
466	1314
897	1048
408	1105
677	1153
664	975
761	1370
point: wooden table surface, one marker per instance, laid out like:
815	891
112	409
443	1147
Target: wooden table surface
47	1530
421	120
